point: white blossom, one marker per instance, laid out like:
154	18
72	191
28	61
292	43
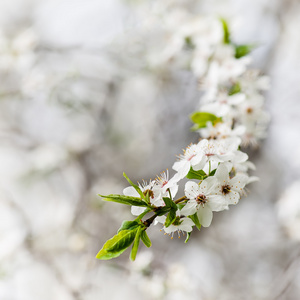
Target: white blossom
203	200
180	225
131	191
192	157
230	189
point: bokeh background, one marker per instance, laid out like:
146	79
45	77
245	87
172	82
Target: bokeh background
80	104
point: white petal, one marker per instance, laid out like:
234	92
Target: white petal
189	209
157	202
160	219
236	99
239	157
217	203
170	229
197	159
233	197
224	157
238	182
252	179
205	216
174	179
182	167
130	191
208	185
178	165
191	190
250	165
222	173
203	143
137	210
228	165
174	190
200	165
186	225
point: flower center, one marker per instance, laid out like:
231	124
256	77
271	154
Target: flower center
249	110
201	199
177	221
151	194
209	154
226	189
164	183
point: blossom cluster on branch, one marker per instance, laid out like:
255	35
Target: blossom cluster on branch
230	115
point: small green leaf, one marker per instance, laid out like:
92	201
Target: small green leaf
147	197
170	203
189	42
195	219
136	243
117	244
236	88
201	118
134	185
170	217
162	211
128	225
199	175
226	32
180	206
212	173
188	234
145	239
124	200
243	50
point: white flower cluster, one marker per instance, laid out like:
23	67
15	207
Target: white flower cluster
231	91
231	114
220	185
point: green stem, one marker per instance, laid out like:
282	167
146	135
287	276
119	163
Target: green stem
180	199
149	221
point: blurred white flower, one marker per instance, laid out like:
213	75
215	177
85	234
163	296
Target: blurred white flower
288	208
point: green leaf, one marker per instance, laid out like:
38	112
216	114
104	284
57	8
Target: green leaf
226	38
136	243
147	197
117	244
212	173
170	203
195	219
145	239
236	88
162	211
187	237
128	225
134	185
170	217
124	200
189	43
201	118
199	175
180	206
243	50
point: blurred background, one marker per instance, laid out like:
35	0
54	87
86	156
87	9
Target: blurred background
83	100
